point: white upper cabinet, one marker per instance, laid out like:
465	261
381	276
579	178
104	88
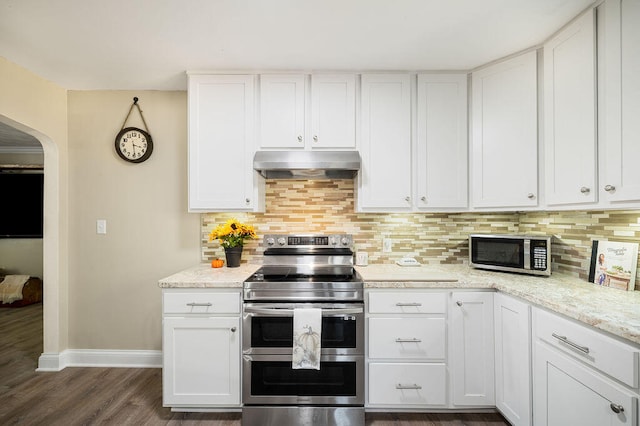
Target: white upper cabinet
221	143
282	111
333	111
504	148
290	118
385	176
441	145
570	114
620	148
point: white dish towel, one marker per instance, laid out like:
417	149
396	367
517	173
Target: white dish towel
307	332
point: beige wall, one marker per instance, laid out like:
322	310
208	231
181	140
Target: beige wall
39	107
114	299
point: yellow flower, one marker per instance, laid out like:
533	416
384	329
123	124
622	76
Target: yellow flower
232	233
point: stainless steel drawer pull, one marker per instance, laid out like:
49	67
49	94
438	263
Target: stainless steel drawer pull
198	304
570	343
411	340
459	303
408	304
233	329
617	408
413	386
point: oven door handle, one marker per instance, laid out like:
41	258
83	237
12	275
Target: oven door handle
289	312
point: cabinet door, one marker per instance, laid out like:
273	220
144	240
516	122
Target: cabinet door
620	148
504	148
282	111
201	364
472	351
570	114
568	393
442	141
385	176
513	359
333	111
221	116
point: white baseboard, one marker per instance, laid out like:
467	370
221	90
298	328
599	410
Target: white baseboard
99	358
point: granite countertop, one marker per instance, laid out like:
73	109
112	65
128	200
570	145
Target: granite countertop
614	311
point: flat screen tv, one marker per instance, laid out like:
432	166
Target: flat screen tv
21	214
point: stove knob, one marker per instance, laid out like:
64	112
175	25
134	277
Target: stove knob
270	241
345	241
332	241
282	241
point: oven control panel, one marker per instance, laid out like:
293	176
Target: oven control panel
313	241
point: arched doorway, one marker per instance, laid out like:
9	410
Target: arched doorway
50	358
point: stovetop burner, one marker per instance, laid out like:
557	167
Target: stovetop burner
306	268
295	274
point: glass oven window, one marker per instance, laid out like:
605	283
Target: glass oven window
277	378
498	251
277	332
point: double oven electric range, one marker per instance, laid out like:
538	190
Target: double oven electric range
299	272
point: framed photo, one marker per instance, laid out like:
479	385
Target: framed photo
613	264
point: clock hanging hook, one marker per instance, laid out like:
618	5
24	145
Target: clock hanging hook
135	104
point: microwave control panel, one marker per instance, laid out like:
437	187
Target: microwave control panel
539	255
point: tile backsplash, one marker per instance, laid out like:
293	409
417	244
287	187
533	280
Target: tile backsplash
327	206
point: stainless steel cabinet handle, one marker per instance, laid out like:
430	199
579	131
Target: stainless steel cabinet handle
411	340
246	200
299	138
233	329
459	303
408	304
585	190
423	199
531	196
315	138
609	188
413	386
570	343
198	304
407	199
617	408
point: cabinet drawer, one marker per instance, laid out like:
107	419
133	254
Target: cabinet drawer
188	302
407	338
608	355
407	384
407	302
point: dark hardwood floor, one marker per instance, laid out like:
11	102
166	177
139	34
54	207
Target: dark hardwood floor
120	396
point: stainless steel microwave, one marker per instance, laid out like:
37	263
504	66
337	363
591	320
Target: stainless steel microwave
526	254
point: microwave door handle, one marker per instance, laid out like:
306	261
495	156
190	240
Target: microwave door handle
289	312
527	254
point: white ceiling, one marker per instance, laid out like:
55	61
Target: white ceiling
149	44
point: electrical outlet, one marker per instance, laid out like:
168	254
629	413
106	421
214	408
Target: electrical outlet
386	245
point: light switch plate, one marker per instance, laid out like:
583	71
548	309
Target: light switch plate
101	226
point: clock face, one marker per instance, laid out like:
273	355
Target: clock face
134	145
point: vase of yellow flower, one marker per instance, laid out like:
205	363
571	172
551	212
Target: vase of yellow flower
231	235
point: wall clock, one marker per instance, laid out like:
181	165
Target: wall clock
132	143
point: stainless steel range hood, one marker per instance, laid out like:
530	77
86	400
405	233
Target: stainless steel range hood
307	164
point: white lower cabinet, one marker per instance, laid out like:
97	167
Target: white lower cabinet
472	348
569	387
407	384
512	323
406	350
201	349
